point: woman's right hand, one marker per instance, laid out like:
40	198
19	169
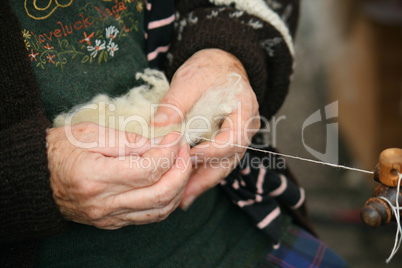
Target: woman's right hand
109	178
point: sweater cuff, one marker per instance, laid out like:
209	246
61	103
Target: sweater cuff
263	49
28	208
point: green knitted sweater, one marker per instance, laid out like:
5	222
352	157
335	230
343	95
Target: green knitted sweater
212	233
71	54
78	49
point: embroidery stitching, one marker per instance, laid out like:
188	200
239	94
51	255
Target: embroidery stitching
45	8
101	44
26	35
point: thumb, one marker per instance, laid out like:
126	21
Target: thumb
178	101
199	183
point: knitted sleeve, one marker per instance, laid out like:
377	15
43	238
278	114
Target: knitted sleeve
27	206
259	33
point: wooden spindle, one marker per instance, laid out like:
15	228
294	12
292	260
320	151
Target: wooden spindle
390	163
377	212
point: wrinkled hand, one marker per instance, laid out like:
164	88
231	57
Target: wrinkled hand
206	70
93	184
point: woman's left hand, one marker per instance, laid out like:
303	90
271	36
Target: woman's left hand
205	70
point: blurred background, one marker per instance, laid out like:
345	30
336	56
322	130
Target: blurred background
348	51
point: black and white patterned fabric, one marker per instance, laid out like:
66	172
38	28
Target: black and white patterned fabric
259	33
260	186
159	23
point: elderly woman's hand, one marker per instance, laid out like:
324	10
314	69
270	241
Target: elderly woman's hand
110	178
205	70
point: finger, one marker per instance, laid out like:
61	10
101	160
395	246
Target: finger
154	215
232	138
139	171
220	147
175	105
115	143
239	124
203	180
164	191
106	141
138	217
161	158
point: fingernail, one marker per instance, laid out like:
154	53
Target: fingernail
184	149
186	204
161	118
157	140
184	141
181	139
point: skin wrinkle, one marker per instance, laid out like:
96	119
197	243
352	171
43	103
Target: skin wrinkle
127	219
131	189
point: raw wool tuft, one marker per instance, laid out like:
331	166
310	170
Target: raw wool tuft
133	112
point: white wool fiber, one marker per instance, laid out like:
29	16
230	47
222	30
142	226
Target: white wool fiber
133	111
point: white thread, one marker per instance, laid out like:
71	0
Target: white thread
396	210
291	156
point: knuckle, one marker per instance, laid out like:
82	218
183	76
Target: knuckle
162	218
87	188
73	181
173	101
151	175
165	212
186	71
164	198
101	225
157	172
106	224
95	213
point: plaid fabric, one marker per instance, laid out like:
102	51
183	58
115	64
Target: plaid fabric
300	249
